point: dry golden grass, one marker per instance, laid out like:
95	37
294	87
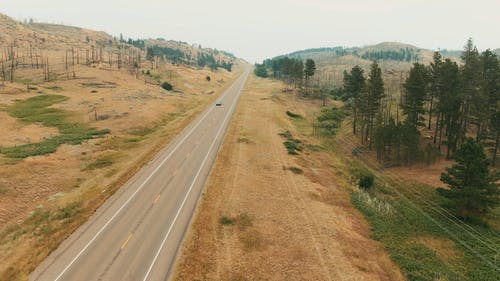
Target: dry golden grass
142	119
303	226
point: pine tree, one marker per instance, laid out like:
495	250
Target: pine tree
415	93
354	83
489	100
471	74
450	98
309	70
473	190
372	99
434	88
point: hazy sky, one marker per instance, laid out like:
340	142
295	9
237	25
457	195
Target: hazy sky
257	29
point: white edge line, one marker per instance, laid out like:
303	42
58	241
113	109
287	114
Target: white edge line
140	187
190	188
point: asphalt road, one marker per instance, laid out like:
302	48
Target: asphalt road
137	233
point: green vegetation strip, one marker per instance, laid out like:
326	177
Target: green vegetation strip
404	223
37	110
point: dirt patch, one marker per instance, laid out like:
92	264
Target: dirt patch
303	226
15	132
429	175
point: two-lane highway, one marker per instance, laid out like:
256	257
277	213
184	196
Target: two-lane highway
136	234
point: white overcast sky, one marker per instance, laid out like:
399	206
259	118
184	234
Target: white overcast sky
258	29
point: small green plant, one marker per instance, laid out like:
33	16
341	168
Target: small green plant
208	78
167	86
295	170
286	134
294	115
225	220
244	221
94	91
366	181
244	140
54	88
102	162
294	146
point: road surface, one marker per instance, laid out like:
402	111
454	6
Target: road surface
137	233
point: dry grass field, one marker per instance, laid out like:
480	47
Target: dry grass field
69	143
269	215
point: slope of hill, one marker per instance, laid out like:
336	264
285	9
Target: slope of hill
48	38
394	58
81	111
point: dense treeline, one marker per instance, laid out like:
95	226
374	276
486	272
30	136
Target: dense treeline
210	61
178	56
173	55
405	54
451	101
290	70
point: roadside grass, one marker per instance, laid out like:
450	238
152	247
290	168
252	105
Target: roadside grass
403	214
37	110
43	226
400	214
102	162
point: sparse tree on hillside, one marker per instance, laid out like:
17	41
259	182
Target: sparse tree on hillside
488	104
354	83
415	92
372	99
471	77
473	190
450	102
434	88
309	70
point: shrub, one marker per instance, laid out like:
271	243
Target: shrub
296	170
366	181
294	146
224	220
293	115
167	86
208	78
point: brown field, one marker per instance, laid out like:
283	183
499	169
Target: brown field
142	118
268	215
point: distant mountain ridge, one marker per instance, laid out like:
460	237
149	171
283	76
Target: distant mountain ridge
390	51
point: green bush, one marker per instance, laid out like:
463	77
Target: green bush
366	181
293	115
167	86
224	220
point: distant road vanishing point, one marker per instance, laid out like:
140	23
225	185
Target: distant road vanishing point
137	233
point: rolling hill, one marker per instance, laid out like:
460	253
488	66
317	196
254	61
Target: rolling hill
51	39
395	59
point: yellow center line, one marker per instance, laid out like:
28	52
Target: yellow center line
126	241
157	198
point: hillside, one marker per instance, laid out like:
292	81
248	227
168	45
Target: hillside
81	111
394	58
45	41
